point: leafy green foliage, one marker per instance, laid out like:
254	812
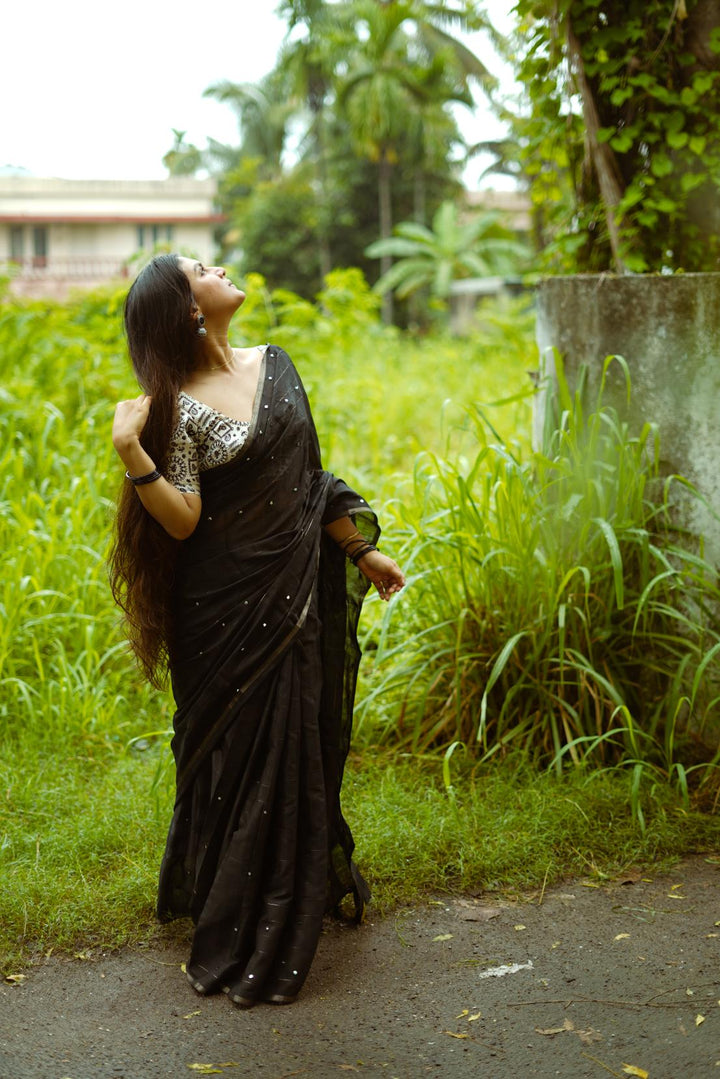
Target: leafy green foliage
85	790
363	89
627	90
434	258
84	767
279	233
555	609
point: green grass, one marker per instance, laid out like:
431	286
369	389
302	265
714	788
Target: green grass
83	840
500	829
83	806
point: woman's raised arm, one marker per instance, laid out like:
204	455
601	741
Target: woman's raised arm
176	511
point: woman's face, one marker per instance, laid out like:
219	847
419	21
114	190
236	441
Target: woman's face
214	292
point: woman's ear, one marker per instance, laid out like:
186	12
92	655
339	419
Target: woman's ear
197	317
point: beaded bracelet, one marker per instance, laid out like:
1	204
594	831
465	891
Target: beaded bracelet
138	481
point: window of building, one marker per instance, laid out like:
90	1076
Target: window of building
149	236
17	242
40	245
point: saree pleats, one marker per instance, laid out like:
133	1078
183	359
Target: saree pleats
263	662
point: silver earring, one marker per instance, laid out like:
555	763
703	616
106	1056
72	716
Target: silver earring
201	331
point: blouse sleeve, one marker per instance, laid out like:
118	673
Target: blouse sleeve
182	469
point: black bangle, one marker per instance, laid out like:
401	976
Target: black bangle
355	558
354	545
138	481
355	537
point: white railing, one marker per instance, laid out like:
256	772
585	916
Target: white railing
64	268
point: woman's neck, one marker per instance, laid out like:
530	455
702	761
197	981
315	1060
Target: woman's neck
216	353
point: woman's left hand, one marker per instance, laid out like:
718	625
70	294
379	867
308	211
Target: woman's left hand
385	574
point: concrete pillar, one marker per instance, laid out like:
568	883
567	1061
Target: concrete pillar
668	330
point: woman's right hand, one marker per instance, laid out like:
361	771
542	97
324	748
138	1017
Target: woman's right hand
130	419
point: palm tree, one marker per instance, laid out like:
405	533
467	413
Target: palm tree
434	258
306	67
395	80
377	95
263	115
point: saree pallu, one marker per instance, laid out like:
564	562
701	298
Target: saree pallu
264	660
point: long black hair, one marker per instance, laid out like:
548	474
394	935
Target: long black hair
163	346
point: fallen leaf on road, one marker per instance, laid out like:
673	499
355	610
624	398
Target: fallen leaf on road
213	1069
622	936
671	895
630	1069
452	1035
478	1015
699	1019
443	936
519	928
587	1037
550	1031
191	1014
709	935
463	1013
477	913
15	979
689	992
555	944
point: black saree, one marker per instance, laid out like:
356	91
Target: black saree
264	661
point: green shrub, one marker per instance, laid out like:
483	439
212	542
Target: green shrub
554	607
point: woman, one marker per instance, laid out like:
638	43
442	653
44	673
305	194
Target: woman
241	565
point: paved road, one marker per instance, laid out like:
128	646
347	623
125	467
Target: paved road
583	981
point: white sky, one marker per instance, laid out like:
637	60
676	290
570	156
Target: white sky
91	90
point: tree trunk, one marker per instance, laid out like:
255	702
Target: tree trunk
419	200
603	159
645	318
385	212
324	252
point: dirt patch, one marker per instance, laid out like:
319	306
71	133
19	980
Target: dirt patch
581	981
